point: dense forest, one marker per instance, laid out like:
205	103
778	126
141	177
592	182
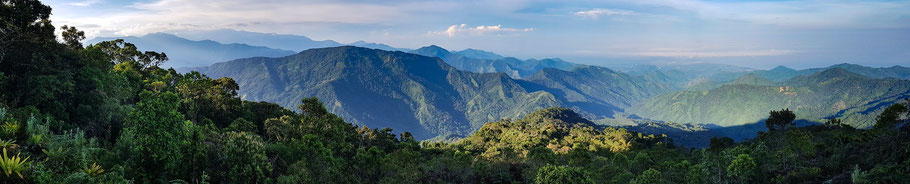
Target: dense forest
106	113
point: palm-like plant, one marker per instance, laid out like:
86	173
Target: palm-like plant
11	144
14	164
93	170
10	128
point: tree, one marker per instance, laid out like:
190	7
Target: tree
242	125
551	174
72	37
206	98
650	176
742	168
780	120
122	52
719	143
890	117
244	157
155	139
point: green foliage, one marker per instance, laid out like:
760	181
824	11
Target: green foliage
743	168
155	139
93	170
650	176
719	143
889	118
858	176
10	129
242	125
780	120
245	159
13	164
551	174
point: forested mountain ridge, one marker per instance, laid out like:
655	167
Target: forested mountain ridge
188	53
424	95
782	73
832	93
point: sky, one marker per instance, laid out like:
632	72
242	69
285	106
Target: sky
757	34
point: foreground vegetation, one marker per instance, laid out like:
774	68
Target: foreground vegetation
106	113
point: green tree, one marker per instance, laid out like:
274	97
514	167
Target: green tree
551	174
742	168
719	143
245	159
154	139
890	117
72	37
780	120
242	125
650	176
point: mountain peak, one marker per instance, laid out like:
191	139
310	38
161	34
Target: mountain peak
835	72
433	51
842	65
478	54
782	68
564	115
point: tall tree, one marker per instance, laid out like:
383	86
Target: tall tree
780	120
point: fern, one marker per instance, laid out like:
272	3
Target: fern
10	128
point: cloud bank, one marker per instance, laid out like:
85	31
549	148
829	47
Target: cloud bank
480	30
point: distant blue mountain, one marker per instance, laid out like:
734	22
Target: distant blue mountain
473	61
294	43
478	54
183	52
782	73
379	46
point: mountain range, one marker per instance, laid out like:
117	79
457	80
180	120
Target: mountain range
835	92
488	62
471	87
183	52
425	95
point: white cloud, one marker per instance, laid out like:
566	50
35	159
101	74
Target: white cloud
812	14
267	15
85	3
597	12
692	53
480	30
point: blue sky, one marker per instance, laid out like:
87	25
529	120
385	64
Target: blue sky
759	34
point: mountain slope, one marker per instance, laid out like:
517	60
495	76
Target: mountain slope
420	94
187	53
833	93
